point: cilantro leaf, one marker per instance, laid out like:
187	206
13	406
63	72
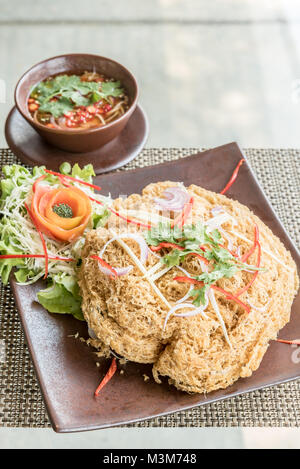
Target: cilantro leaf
76	97
163	232
218	254
57	108
111	88
213	236
190	238
172	259
199	295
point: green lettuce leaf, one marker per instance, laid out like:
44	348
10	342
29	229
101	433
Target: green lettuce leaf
86	173
100	219
22	274
6	265
59	299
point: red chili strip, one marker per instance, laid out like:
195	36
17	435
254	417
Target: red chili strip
200	257
227	294
183	216
38	256
65	176
105	264
166	245
38	180
232	297
63	182
42	239
289	342
230	252
129	220
111	371
251	251
233	177
240	292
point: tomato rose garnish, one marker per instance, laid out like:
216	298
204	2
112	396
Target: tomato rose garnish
61	213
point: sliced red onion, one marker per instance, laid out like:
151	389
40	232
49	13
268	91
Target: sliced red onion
175	199
262	309
120	270
125	270
249	271
252	270
136	237
104	270
228	238
184	271
195	311
217	209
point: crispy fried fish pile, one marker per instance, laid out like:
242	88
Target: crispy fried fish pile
127	316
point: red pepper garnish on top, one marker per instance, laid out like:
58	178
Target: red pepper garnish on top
180	248
233	177
226	293
199	257
251	251
183	216
37	181
166	245
257	244
106	265
226	249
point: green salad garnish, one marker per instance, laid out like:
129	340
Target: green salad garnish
18	236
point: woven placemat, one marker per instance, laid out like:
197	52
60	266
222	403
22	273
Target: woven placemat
21	403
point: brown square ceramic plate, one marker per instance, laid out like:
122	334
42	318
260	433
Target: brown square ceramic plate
66	368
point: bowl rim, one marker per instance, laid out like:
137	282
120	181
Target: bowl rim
83	131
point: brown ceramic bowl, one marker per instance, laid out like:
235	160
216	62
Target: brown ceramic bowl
77	140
